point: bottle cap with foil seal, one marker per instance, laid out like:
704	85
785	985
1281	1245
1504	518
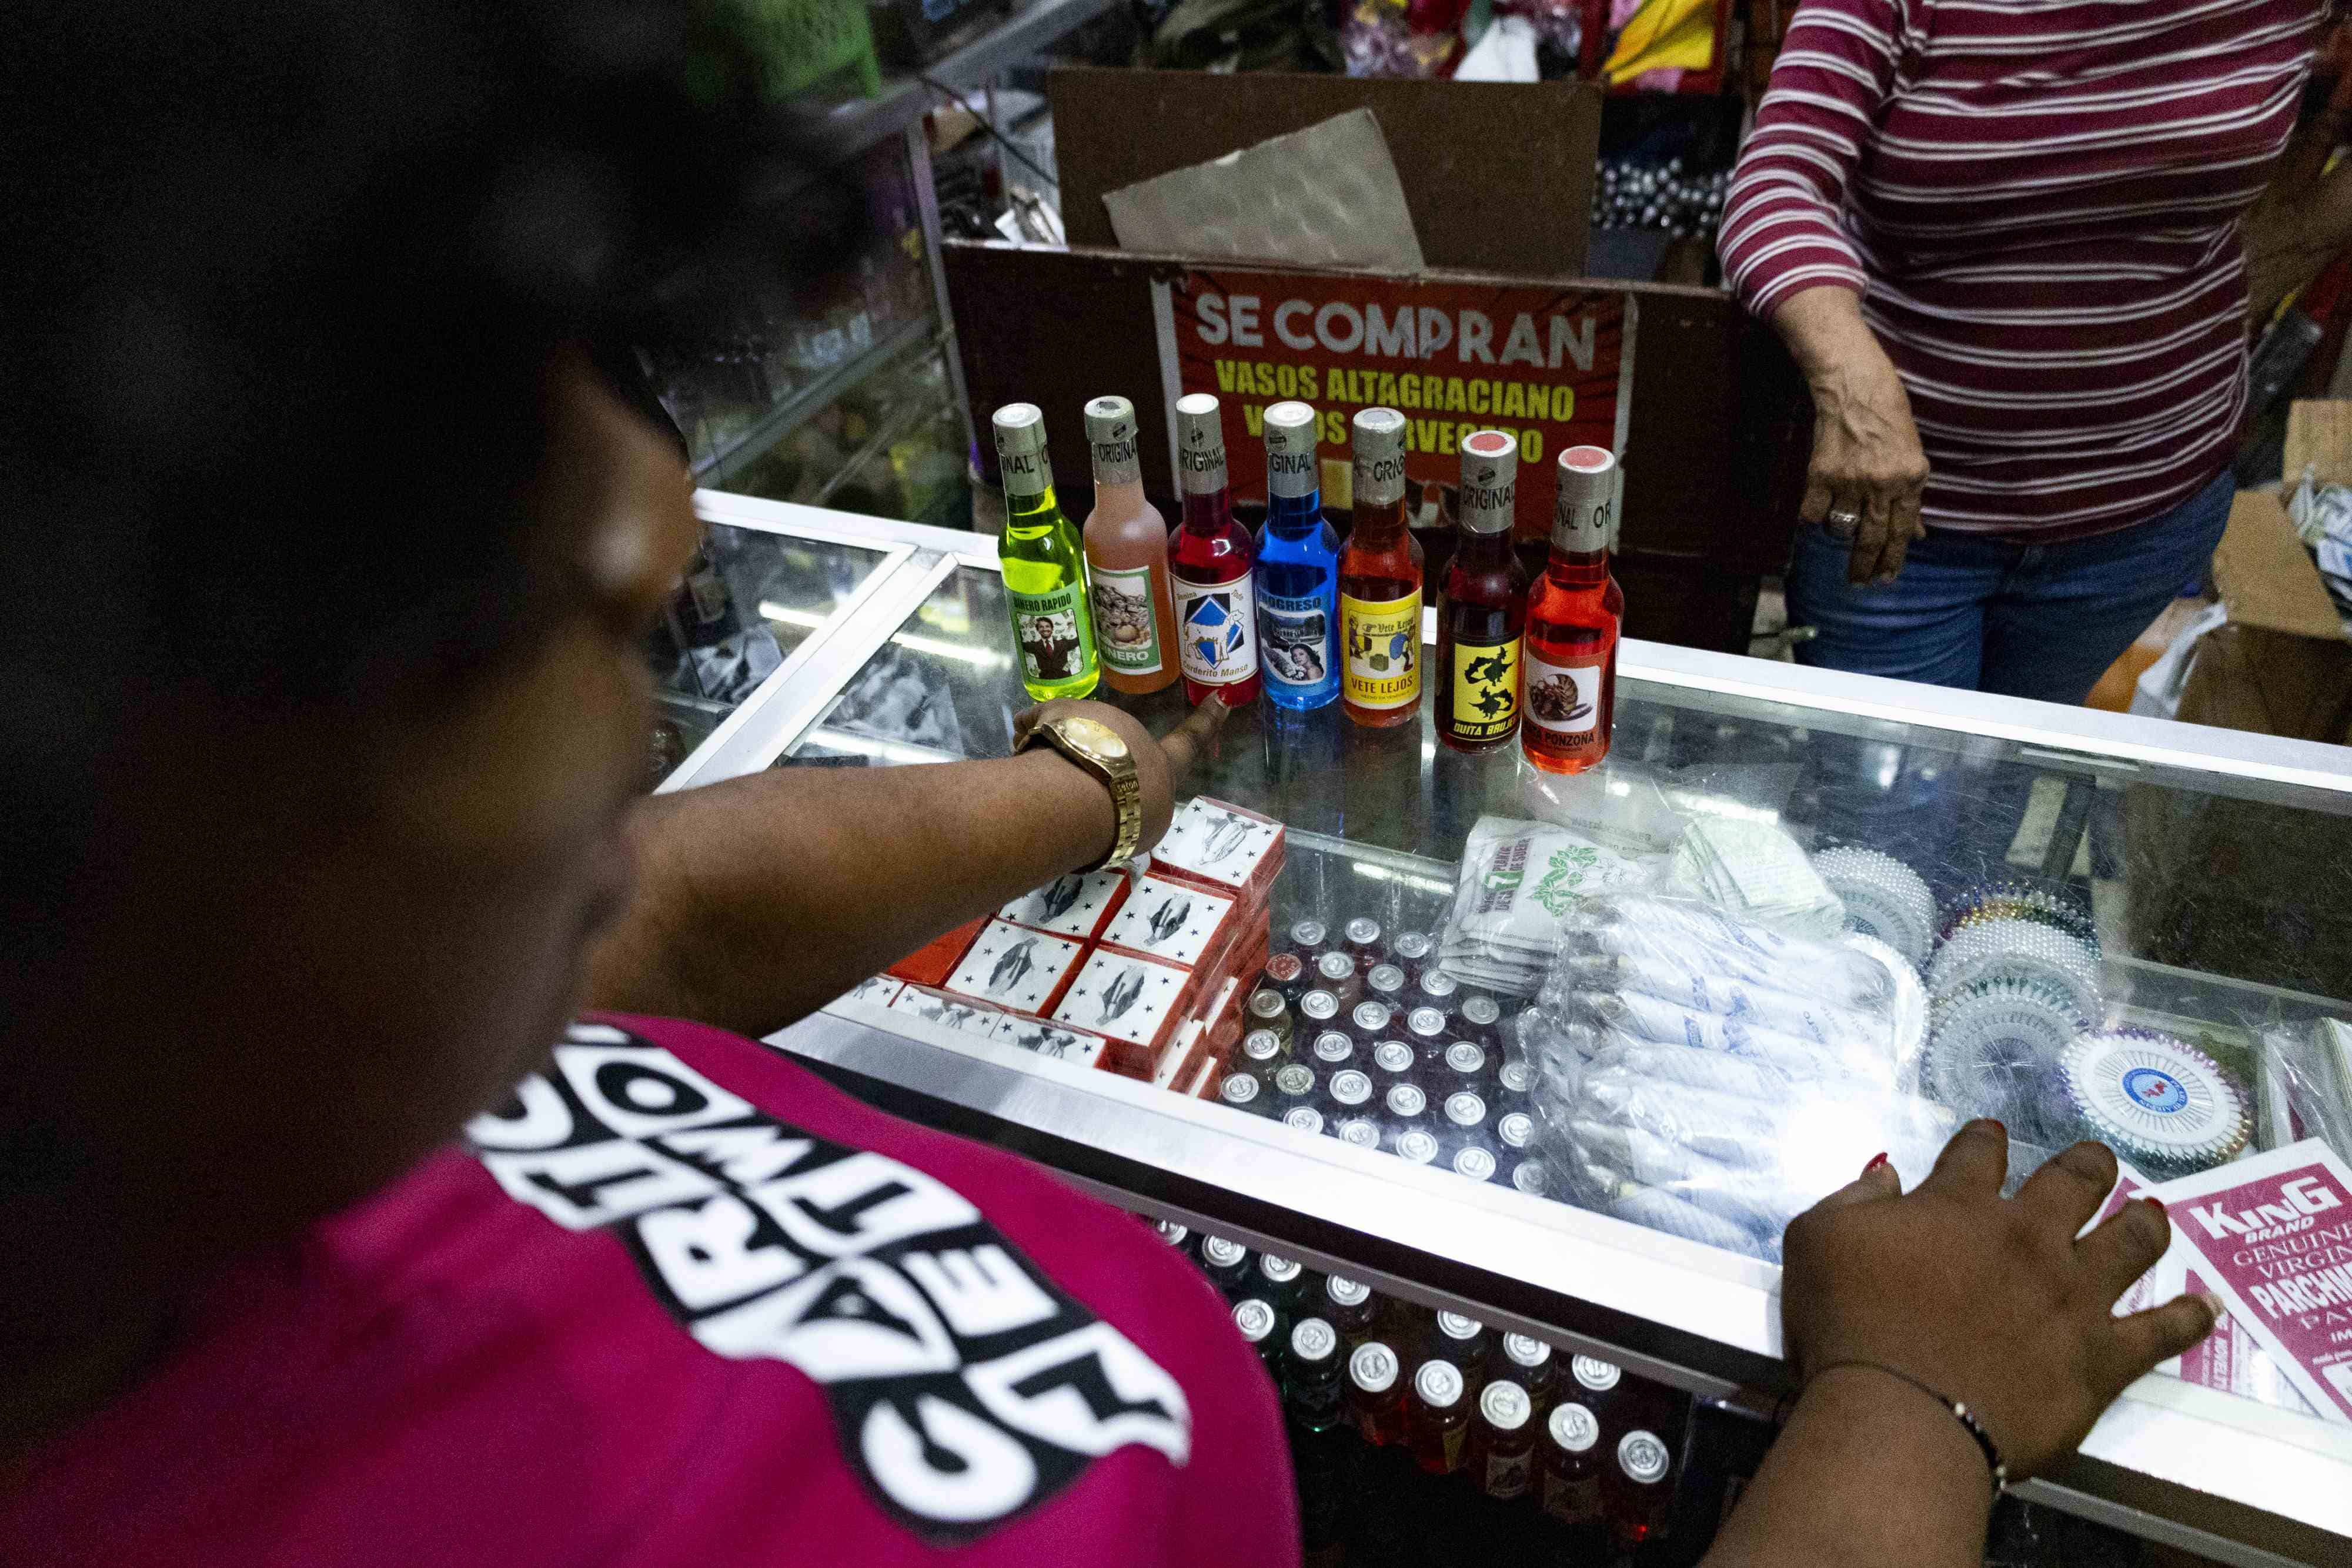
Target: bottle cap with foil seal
1587	500
1378	446
1111	432
1020	430
1486	500
1199	443
1291	468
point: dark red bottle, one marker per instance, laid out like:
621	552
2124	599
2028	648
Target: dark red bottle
1574	613
1210	556
1482	608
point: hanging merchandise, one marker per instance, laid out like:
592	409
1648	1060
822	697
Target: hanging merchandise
1883	898
1518	884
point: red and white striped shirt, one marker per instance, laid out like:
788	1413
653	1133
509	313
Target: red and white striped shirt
2038	202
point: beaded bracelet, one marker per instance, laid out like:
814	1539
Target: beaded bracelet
1959	1410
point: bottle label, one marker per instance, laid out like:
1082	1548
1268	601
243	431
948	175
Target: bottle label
1507	1474
1565	698
1055	633
1297	636
1571	1501
1383	668
1128	633
1215	631
1025	472
1485	690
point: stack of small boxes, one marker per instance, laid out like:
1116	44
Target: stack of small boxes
1142	970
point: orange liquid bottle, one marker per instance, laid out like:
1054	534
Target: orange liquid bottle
1379	583
1574	613
1127	559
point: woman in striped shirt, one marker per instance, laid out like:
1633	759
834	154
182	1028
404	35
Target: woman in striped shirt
2002	240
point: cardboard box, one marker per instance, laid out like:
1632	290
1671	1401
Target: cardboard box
2283	665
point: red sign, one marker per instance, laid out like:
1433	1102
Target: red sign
1553	366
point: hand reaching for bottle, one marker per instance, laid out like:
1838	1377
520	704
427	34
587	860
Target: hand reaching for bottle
1987	1299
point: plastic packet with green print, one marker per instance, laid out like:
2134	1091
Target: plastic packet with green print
1520	883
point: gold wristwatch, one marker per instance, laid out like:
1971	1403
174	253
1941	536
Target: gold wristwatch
1096	747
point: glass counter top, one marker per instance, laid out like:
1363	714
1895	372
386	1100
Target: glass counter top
2199	873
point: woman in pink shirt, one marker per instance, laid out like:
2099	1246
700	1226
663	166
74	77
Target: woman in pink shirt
324	1238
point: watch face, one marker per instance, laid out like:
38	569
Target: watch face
1095	735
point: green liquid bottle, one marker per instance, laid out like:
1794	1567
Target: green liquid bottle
1044	568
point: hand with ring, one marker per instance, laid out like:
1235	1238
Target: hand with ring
1868	468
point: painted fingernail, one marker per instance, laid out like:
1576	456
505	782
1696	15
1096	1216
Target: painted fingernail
1875	1161
2155	1203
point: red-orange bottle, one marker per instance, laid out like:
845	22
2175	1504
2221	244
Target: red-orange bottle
1380	582
1574	614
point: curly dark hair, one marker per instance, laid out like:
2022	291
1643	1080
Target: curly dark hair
285	277
287	273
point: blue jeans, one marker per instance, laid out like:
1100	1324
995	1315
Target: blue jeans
2028	621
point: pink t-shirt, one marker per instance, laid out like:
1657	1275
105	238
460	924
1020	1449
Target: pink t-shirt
681	1301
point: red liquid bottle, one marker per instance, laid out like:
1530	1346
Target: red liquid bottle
1209	561
1574	613
1379	583
1481	610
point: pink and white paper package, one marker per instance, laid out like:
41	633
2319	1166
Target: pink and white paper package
2271	1237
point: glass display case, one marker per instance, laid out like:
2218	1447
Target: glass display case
2189	882
774	584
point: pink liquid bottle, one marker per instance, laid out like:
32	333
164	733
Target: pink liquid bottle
1210	556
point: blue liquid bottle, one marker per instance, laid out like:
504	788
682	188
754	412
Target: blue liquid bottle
1298	569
